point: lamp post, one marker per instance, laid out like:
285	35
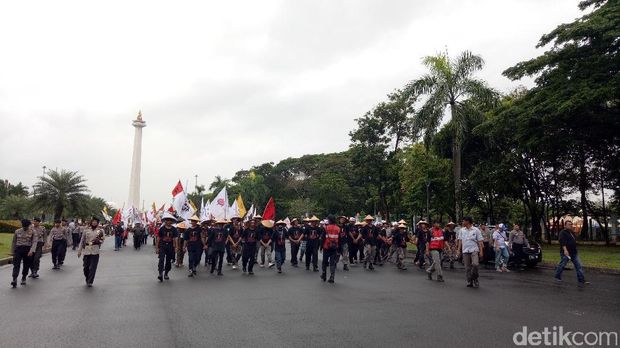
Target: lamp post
428	199
44	168
196	185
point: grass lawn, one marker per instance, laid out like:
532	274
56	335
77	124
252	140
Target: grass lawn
590	255
5	244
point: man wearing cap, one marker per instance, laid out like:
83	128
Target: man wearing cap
23	248
311	235
92	238
58	239
264	246
41	233
193	245
370	233
279	244
295	237
470	245
167	242
344	241
217	245
180	251
250	238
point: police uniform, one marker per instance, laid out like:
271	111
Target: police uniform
92	238
41	233
23	247
58	237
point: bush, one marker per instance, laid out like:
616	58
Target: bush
9	226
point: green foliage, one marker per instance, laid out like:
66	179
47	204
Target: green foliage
15	207
9	226
7	189
57	191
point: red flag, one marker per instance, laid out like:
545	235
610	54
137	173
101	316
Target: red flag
177	189
162	207
270	210
171	209
117	217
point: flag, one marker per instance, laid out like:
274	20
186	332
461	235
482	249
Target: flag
241	206
233	211
177	189
250	214
270	210
105	214
193	205
154	207
219	205
205	212
183	206
117	217
287	221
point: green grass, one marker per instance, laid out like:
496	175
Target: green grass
5	244
590	255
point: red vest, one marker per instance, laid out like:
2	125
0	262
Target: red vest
331	237
436	239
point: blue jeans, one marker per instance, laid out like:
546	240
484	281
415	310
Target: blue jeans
503	252
117	242
576	263
280	257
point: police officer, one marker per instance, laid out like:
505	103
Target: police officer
312	234
193	245
75	234
167	242
58	238
41	238
23	248
92	238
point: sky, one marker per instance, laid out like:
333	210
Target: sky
225	85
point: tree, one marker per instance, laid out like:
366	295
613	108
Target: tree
57	191
15	207
218	184
450	83
6	189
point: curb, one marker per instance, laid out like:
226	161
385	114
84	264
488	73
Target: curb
9	260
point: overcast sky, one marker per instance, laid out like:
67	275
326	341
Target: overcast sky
224	85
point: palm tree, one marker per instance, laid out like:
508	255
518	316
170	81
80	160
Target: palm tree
59	190
218	183
450	83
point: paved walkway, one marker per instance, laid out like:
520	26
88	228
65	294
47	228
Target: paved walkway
128	307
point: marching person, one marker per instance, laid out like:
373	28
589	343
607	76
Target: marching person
279	244
92	238
235	243
331	246
217	246
370	234
311	235
118	235
449	237
517	241
41	238
357	242
23	248
434	251
250	237
471	247
343	240
568	252
58	239
138	235
180	252
399	241
265	243
167	242
421	235
304	241
193	245
75	234
295	237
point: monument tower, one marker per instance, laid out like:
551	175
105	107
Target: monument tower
136	160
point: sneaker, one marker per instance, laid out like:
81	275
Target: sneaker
371	267
161	279
194	272
316	270
219	273
234	267
271	265
557	279
262	265
499	270
90	285
190	275
251	273
279	271
13	284
476	284
166	276
440	279
323	276
345	268
470	285
331	279
505	270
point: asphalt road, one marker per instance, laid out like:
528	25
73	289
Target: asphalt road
128	307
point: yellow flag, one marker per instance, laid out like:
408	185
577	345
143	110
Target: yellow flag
240	206
105	209
154	207
193	205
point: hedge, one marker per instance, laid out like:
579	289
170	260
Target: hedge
9	226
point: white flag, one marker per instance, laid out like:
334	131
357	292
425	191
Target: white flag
219	205
250	214
233	211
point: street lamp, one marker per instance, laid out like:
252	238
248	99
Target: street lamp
196	186
44	168
428	198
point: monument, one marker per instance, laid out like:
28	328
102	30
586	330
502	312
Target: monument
136	160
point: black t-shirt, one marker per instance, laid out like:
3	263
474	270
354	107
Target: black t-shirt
370	234
217	239
192	236
265	235
566	238
295	232
118	231
250	237
167	235
279	239
235	235
312	234
344	234
422	236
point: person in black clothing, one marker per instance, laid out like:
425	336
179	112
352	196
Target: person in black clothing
193	245
118	236
167	242
421	236
279	244
370	233
311	235
235	243
357	242
568	252
295	237
344	241
330	243
217	245
250	238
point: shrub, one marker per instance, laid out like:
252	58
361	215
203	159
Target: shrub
9	226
